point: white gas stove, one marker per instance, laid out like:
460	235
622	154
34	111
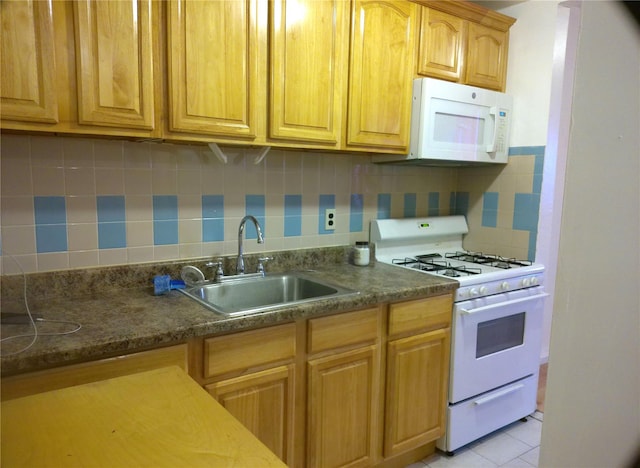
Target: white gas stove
496	325
434	245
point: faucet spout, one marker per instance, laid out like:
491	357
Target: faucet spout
240	261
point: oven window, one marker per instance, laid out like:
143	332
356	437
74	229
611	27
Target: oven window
499	334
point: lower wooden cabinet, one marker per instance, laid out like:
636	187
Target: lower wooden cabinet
343	392
417	372
264	403
360	388
252	374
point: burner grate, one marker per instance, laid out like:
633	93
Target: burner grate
495	261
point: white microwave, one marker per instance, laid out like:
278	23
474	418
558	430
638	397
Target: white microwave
454	124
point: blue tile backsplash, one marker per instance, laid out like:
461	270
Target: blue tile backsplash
156	203
50	224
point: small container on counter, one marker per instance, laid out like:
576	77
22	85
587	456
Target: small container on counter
360	254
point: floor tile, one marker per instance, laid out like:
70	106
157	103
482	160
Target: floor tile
501	448
532	456
462	459
416	465
538	415
528	432
517	463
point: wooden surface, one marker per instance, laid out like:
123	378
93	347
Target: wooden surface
442	45
383	39
264	403
248	350
77	374
417	375
308	69
28	90
213	68
114	63
157	418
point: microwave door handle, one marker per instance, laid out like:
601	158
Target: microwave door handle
502	304
491	148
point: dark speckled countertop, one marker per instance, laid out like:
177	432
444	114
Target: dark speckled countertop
119	320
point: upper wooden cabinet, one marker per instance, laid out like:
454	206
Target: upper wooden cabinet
442	45
380	75
463	42
114	63
212	68
308	66
487	57
79	67
332	74
28	91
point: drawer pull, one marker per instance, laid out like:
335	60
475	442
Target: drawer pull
500	394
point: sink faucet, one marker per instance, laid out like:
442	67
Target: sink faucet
240	262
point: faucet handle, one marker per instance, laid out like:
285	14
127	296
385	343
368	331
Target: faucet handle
219	271
261	262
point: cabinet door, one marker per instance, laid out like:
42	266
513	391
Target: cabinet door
417	375
28	91
342	409
114	63
263	403
212	67
442	45
487	57
381	74
308	69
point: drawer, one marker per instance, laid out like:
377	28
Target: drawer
421	315
337	331
249	349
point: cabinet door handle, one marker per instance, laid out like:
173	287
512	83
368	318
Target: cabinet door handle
500	394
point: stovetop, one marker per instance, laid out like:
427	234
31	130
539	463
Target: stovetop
460	263
434	245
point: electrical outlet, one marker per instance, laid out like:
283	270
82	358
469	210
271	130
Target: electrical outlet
330	219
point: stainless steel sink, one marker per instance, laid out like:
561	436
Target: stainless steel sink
250	294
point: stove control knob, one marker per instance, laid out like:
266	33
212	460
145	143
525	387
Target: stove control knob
526	282
534	281
483	290
504	286
473	292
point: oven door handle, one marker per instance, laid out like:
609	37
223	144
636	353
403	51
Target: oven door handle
500	394
501	304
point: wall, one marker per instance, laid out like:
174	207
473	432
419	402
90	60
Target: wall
592	416
534	55
79	202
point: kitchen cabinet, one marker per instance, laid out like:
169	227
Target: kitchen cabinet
487	57
308	67
28	91
417	373
442	45
114	63
344	389
82	67
465	43
383	37
77	374
214	75
252	375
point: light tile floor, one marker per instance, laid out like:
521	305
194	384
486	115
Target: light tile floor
514	446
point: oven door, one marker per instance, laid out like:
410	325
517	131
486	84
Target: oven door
496	340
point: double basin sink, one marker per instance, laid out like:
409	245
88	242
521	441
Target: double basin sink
255	293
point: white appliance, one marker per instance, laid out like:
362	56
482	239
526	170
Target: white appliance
496	322
454	124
